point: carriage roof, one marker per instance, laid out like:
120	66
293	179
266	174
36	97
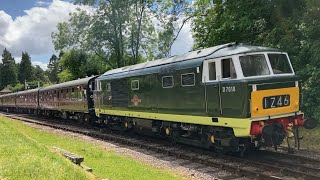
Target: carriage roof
68	84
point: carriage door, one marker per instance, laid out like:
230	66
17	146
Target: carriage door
210	78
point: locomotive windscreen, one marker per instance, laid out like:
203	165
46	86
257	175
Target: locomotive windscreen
279	63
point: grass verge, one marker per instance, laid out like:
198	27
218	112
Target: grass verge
25	153
311	138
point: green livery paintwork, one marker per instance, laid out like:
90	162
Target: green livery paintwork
228	99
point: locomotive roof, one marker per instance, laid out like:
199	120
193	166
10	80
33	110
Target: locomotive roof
194	56
27	91
68	84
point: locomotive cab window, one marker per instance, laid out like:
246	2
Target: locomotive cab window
227	68
167	82
254	65
280	63
108	87
135	85
99	86
188	79
212	71
219	69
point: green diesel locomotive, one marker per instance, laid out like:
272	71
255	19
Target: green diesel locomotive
230	97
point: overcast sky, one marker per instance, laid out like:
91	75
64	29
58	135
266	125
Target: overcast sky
26	25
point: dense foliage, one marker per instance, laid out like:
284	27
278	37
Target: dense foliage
25	68
8	69
17	77
121	32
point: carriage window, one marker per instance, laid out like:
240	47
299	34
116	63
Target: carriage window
188	79
228	70
279	63
254	65
212	71
167	82
84	94
108	87
91	86
135	85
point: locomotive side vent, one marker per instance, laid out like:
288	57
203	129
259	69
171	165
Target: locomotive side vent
119	93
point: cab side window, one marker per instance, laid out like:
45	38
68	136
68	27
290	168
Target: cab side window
188	79
108	87
167	82
135	85
227	68
212	71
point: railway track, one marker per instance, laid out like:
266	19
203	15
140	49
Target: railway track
263	165
303	163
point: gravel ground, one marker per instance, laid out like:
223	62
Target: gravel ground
179	166
302	152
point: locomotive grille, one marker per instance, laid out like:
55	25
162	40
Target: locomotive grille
169	69
119	93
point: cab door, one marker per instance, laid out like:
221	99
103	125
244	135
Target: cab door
211	82
223	90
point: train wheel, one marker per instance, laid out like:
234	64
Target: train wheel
172	135
80	118
65	116
87	119
127	125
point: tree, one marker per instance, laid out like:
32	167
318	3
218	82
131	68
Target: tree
172	15
308	58
122	32
38	74
78	64
1	86
8	70
252	22
53	69
25	68
103	33
229	21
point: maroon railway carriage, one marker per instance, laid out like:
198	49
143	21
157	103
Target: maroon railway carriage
8	102
69	100
27	101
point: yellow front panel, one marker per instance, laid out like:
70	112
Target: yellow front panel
257	102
